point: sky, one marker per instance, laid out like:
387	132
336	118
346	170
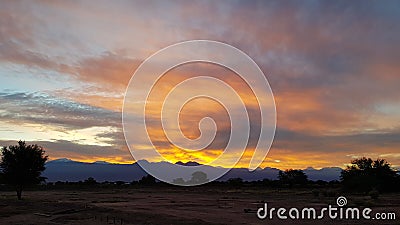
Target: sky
333	67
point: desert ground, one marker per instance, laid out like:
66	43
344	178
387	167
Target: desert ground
174	205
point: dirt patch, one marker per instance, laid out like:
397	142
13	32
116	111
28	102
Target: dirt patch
172	206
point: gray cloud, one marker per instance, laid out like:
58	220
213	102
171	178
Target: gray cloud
42	108
342	56
349	143
59	148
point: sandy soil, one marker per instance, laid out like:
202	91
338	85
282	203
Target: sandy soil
173	206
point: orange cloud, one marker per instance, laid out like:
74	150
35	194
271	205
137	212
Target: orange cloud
335	79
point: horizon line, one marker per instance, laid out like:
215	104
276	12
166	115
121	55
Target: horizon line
134	162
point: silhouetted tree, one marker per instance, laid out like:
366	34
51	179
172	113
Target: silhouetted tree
292	177
120	182
179	181
235	181
147	180
22	165
1	178
365	175
90	181
198	177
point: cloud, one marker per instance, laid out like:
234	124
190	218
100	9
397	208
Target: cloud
108	70
333	67
44	109
82	152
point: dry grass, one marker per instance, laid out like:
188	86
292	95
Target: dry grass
169	205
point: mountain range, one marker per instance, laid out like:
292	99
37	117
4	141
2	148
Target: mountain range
69	170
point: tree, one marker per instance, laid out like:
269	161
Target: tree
292	177
22	165
147	180
90	181
236	182
1	178
198	177
366	175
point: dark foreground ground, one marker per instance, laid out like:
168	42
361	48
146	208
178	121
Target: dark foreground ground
170	205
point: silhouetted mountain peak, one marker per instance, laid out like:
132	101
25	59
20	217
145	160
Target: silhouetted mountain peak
309	168
61	160
189	163
101	162
66	169
142	161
